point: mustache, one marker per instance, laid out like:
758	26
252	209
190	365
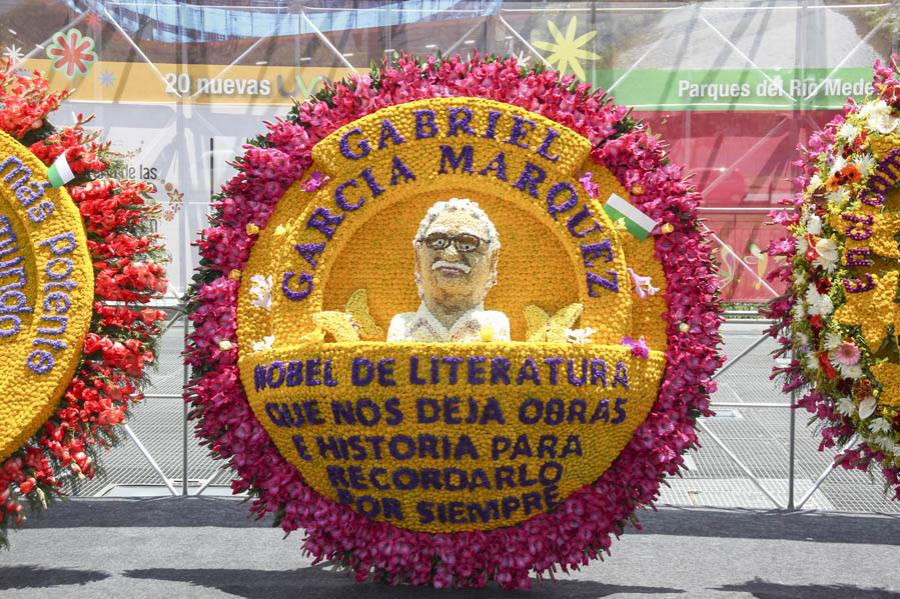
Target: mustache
457	265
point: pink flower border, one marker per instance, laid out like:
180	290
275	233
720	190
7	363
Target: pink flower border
582	527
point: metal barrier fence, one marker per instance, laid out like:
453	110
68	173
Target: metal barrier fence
760	459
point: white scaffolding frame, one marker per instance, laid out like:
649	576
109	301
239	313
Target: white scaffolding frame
497	18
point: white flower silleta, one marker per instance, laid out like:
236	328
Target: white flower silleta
878	117
839	163
814	183
883	123
643	286
867	407
874	108
883	442
798	312
839	197
812	361
827	248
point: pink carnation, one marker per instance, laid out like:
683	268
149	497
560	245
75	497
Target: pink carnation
847	353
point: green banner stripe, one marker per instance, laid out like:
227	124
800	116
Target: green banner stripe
55	178
632	227
743	89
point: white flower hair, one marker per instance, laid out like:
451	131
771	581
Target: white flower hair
460	204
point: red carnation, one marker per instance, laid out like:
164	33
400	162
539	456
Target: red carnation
827	368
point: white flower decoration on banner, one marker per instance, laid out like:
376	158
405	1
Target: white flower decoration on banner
580	336
642	285
265	344
261	290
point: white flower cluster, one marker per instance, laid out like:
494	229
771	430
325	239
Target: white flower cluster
879	118
818	303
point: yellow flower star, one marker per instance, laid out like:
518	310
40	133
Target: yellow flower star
567	50
883	241
883	228
888	374
873	310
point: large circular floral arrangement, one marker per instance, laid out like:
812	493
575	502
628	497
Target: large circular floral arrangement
842	262
272	347
77	261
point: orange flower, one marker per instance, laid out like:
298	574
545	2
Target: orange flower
863	389
849	174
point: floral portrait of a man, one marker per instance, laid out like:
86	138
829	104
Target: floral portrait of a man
457	250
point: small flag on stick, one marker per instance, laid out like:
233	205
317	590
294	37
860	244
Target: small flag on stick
60	172
636	222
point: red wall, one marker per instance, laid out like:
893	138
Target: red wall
741	163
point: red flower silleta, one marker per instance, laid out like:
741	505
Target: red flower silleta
128	269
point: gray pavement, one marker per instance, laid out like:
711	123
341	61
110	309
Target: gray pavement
206	548
848	546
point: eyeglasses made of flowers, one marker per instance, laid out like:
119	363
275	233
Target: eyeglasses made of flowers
464	242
